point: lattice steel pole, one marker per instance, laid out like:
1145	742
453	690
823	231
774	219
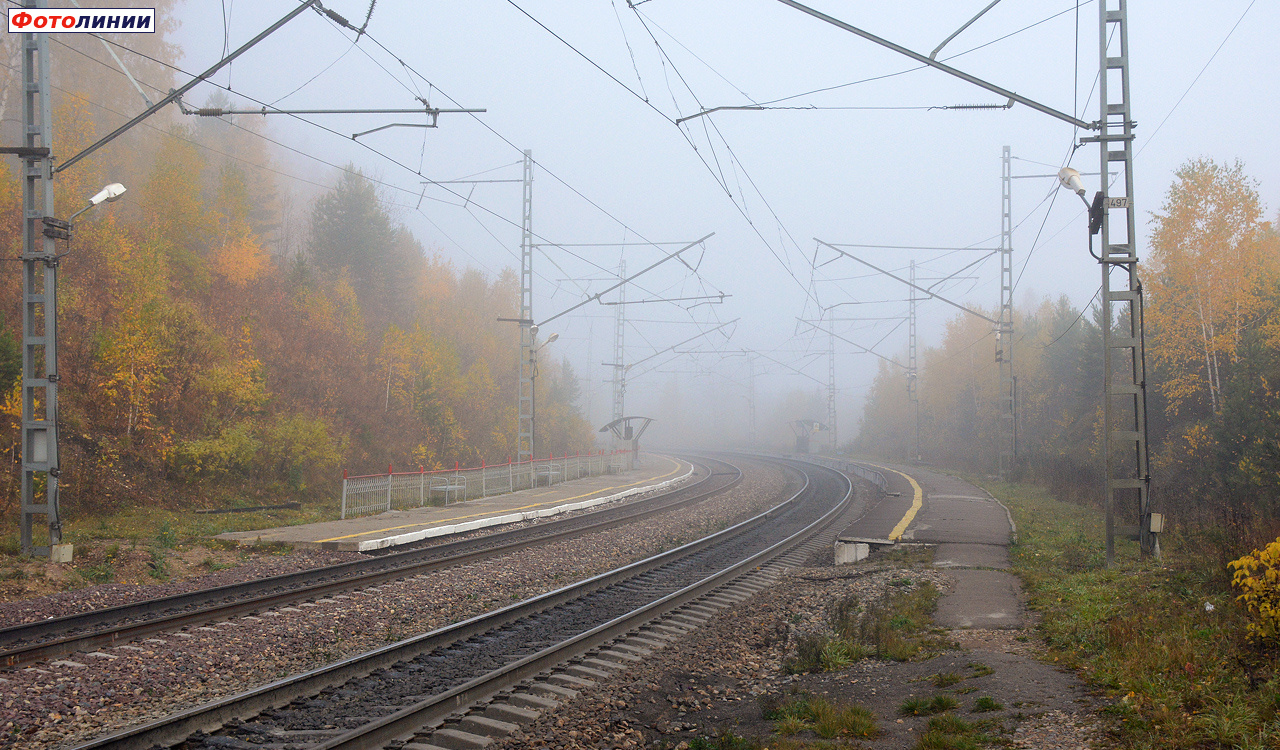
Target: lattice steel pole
1007	449
619	356
751	401
524	445
1124	369
913	392
831	392
39	302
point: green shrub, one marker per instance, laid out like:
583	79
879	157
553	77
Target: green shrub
233	450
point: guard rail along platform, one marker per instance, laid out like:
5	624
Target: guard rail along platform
379	493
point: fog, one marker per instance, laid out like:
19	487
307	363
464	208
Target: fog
594	90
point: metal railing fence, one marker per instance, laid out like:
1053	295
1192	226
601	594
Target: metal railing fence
378	493
862	472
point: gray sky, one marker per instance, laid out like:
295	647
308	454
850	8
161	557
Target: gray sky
867	163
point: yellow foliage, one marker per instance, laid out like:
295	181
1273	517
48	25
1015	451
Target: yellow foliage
12	404
240	259
132	356
1207	279
1257	576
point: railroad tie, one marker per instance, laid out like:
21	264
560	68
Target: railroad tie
532	701
619	655
604	665
570	681
487	726
512	713
553	691
638	646
456	739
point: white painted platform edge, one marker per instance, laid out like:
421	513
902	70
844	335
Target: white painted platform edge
480	523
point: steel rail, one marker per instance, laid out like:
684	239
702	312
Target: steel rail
436	708
211	716
303	585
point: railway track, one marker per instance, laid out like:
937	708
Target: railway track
53	638
413	691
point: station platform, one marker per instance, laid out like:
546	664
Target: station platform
415	524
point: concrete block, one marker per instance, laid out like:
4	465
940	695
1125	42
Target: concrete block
851	552
61	553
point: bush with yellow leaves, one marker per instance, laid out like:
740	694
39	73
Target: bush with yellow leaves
1257	576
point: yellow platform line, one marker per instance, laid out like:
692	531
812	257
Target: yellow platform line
506	510
917	502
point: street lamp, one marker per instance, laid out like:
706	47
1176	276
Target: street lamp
1070	179
60	229
533	387
111	193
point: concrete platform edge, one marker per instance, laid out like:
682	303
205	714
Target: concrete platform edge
479	523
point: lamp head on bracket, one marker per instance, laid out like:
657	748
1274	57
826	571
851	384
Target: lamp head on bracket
1070	180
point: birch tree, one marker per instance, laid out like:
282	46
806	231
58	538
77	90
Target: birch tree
1206	280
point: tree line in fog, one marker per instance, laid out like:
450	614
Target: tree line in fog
1211	280
223	339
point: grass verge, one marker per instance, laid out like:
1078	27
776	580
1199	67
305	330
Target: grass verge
898	627
1166	641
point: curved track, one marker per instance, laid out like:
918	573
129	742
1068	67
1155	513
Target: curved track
48	639
413	686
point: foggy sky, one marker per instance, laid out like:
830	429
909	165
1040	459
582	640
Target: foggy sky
613	168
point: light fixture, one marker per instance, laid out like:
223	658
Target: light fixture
1070	180
109	194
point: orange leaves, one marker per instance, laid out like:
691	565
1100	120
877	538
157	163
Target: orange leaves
240	258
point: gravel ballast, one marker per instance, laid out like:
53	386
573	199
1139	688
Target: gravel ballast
86	695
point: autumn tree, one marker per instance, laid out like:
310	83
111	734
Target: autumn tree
1206	280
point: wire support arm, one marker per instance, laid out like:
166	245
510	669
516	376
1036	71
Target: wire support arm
717	298
627	280
709	331
718	109
917	287
925	60
265	110
890	360
178	92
